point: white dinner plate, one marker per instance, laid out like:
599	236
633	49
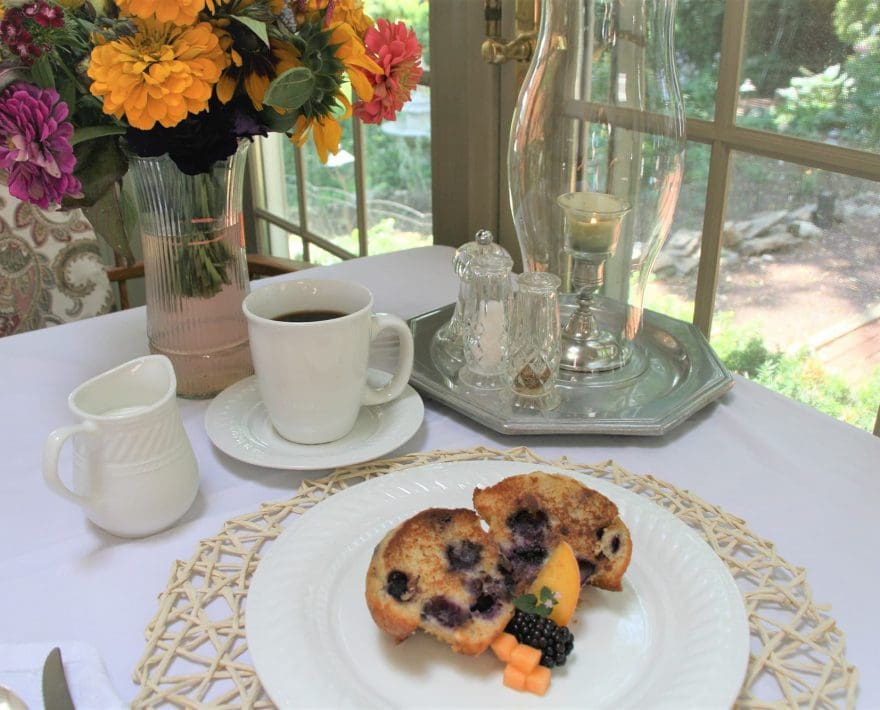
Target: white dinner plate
238	424
677	635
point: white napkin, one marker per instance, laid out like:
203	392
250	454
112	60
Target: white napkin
21	670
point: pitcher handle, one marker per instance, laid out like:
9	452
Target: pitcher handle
380	322
51	452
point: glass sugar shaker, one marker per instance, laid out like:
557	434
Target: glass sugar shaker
535	342
449	335
487	311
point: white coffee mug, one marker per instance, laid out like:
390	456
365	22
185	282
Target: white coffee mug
134	471
312	374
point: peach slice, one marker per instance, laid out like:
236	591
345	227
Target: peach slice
561	575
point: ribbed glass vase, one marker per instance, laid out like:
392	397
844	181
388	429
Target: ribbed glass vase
195	269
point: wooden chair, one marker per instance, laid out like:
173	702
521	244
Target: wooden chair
259	265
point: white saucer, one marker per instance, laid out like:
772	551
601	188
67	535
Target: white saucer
238	424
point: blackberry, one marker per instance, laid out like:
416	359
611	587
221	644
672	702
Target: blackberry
554	641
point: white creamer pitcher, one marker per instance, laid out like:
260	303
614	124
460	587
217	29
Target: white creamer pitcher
134	471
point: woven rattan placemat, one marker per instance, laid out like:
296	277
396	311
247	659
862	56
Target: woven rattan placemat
196	653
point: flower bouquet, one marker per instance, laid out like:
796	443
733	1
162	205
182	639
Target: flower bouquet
86	86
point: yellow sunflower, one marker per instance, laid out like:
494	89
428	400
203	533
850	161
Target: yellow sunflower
350	51
349	11
250	64
180	12
161	74
326	131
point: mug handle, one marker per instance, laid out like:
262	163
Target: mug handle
51	452
392	390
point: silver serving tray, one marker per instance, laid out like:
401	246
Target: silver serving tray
672	374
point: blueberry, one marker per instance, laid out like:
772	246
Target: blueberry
444	611
484	604
587	568
615	544
531	556
397	584
599	533
464	555
527	522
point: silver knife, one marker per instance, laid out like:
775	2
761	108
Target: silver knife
56	694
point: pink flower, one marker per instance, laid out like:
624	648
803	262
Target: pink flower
395	48
35	146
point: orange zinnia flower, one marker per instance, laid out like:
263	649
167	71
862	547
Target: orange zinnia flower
161	74
180	12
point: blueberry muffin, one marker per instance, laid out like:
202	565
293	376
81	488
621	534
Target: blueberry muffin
441	572
529	514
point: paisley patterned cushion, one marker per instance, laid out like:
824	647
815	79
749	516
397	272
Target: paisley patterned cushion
51	270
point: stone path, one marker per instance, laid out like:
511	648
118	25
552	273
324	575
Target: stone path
793	281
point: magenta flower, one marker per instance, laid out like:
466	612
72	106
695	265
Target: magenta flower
35	147
395	48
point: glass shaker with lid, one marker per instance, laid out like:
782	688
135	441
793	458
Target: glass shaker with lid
449	335
487	310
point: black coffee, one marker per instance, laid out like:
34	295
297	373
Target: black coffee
308	316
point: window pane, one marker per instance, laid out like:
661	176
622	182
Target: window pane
674	280
398	178
396	167
330	194
397	163
799	295
812	70
697	48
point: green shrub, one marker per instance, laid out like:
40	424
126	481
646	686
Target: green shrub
799	375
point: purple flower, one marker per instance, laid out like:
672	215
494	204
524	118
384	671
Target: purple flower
35	147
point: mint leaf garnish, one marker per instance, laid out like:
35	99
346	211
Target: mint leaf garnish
541	605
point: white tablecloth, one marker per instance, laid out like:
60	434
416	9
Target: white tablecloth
807	482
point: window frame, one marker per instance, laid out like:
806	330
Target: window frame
724	136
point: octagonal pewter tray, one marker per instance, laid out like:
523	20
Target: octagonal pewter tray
672	374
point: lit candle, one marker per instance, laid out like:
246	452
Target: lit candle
592	221
593	235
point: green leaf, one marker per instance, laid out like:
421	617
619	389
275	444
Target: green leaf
541	604
290	89
278	122
529	604
100	164
42	74
67	92
255	26
91	132
547	596
106	217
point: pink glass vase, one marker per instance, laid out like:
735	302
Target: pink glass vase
195	269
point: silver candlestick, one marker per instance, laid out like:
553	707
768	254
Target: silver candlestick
592	231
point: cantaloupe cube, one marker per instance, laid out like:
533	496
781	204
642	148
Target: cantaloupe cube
538	680
503	645
514	678
525	657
